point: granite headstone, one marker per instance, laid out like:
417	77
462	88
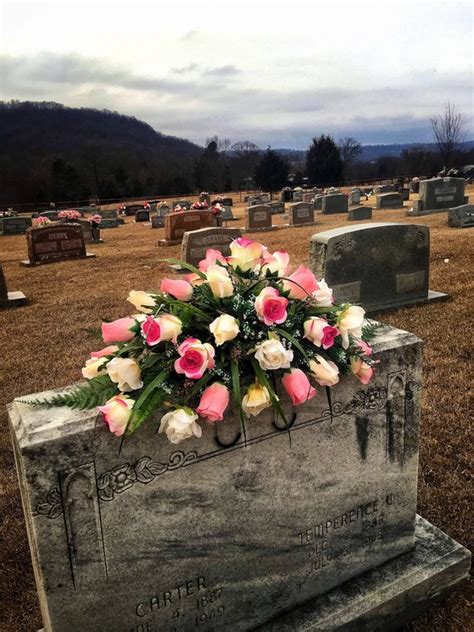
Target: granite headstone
461	216
142	216
57	242
334	203
438	195
388	200
176	224
16	225
361	212
196	242
258	218
301	214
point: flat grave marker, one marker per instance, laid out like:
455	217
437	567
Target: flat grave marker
461	216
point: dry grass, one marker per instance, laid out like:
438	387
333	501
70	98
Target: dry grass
44	344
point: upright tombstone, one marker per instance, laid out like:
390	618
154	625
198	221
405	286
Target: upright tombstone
335	203
143	215
438	195
389	200
354	197
110	218
361	212
16	225
9	299
258	218
301	214
318	202
461	216
196	242
131	209
380	266
176	224
157	530
227	201
186	204
227	215
56	242
91	233
158	220
298	195
384	188
308	196
276	207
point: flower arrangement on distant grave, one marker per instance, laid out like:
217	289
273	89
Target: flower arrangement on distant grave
38	222
69	215
236	328
217	209
121	209
147	206
95	220
177	209
200	206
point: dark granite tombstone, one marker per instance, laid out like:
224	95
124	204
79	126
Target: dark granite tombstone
110	219
384	188
286	195
276	207
142	216
318	202
354	197
157	221
228	201
227	215
16	225
258	218
380	266
196	242
301	214
334	203
57	242
91	233
461	216
414	186
229	531
9	299
186	204
438	195
388	200
131	209
404	194
361	212
176	224
297	195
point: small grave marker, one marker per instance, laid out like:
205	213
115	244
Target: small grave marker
57	242
301	214
258	218
176	224
389	200
197	242
362	212
461	216
16	225
335	203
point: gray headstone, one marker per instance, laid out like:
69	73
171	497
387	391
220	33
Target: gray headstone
227	214
16	225
308	196
217	538
389	200
335	203
258	218
157	221
354	197
318	202
461	216
384	188
196	242
142	216
276	207
110	214
301	214
380	266
183	203
362	212
297	196
439	194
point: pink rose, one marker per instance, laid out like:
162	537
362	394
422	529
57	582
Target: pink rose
366	349
211	257
195	359
182	290
116	412
214	401
304	283
363	371
151	331
271	307
277	263
297	385
118	330
104	352
320	332
245	253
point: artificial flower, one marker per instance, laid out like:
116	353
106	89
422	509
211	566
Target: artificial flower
272	355
195	358
256	399
297	385
301	284
219	281
271	307
142	301
224	328
179	288
116	412
325	372
180	424
118	330
214	402
126	373
320	332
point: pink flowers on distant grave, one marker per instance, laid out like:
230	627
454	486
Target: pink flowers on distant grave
95	219
40	221
69	214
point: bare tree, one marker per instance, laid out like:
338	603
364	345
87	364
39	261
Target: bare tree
449	131
222	144
350	150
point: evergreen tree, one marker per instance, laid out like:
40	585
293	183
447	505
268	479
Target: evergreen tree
271	173
324	165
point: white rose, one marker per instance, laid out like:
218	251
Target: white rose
180	424
126	373
224	328
323	294
325	372
350	321
93	367
272	355
219	281
171	327
256	399
141	301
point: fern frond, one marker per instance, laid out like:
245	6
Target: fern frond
90	395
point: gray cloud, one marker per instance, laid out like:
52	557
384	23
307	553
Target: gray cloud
185	69
222	71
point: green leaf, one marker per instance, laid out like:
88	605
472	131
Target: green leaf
137	417
90	395
186	266
191	308
294	342
197	387
234	370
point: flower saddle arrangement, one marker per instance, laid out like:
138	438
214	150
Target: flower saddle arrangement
241	327
69	215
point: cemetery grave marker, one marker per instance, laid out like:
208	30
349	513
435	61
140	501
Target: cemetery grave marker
51	215
301	214
461	216
176	224
123	529
131	209
354	197
384	188
388	200
318	202
196	242
380	266
56	242
227	215
9	299
142	216
16	225
110	219
276	207
228	201
362	212
334	203
297	196
259	218
186	204
91	234
438	195
308	196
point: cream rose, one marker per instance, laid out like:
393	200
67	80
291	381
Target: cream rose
219	281
323	294
325	372
272	355
171	327
126	373
141	301
224	328
255	400
180	424
350	321
116	412
94	366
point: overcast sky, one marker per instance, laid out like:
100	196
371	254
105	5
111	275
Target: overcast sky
275	74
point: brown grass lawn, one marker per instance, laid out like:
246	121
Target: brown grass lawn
44	345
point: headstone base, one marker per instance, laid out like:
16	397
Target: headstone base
414	212
304	224
14	299
262	230
29	264
386	597
433	297
389	596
